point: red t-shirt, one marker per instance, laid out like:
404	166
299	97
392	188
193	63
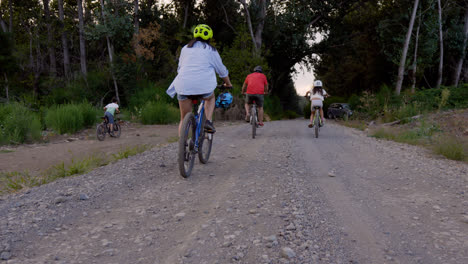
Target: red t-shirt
256	83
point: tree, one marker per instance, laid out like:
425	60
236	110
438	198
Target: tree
441	47
401	68
458	67
415	57
136	18
66	55
50	39
84	70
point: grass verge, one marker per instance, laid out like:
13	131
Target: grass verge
15	181
429	136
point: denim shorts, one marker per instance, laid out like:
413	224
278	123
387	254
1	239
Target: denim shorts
182	97
110	117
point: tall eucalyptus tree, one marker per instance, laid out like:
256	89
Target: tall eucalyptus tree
84	70
66	54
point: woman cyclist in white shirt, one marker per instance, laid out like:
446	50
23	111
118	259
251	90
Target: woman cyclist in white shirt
317	95
198	63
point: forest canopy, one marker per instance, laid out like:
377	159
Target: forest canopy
59	51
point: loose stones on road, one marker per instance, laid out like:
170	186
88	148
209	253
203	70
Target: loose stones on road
287	253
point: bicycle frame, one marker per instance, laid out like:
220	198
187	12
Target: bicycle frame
198	121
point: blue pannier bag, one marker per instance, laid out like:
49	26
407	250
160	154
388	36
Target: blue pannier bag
224	100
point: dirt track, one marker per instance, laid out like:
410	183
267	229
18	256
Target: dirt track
264	200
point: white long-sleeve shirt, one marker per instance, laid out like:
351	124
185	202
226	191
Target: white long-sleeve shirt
196	71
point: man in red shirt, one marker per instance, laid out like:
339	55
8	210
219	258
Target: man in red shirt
255	86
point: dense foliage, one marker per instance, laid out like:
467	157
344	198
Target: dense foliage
130	48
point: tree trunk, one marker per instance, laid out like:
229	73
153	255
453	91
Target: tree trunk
31	55
186	15
415	57
10	7
136	22
401	68
50	40
249	24
465	71
3	25
111	52
66	55
441	44
458	67
38	68
261	24
84	70
6	87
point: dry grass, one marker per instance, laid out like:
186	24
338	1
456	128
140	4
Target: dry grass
441	132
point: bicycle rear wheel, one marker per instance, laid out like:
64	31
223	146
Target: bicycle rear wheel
205	143
253	121
101	132
186	156
317	123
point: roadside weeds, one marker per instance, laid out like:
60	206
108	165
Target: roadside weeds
15	181
435	132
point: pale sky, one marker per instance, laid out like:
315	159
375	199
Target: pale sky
303	80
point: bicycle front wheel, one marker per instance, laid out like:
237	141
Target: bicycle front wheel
186	156
117	130
205	143
317	123
101	132
253	116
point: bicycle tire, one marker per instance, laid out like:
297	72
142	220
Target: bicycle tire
205	143
117	130
186	155
253	116
317	123
101	132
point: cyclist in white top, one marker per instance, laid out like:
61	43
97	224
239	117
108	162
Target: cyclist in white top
198	64
317	95
111	109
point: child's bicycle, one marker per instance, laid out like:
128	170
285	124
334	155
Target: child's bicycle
104	127
317	120
194	139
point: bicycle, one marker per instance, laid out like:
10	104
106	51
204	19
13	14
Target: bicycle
104	127
317	120
194	139
254	118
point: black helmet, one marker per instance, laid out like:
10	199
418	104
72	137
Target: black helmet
258	68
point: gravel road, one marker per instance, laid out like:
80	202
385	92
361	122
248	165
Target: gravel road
284	197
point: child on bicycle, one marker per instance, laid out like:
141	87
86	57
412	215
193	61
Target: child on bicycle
317	95
198	63
111	109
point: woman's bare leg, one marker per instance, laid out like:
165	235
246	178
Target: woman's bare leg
185	107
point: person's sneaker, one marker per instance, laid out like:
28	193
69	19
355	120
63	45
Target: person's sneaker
322	123
311	125
260	124
209	127
247	118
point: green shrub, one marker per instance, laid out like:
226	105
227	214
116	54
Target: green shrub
89	114
65	118
159	113
306	110
273	108
148	91
18	124
289	114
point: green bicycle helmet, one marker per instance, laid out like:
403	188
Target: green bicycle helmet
203	31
